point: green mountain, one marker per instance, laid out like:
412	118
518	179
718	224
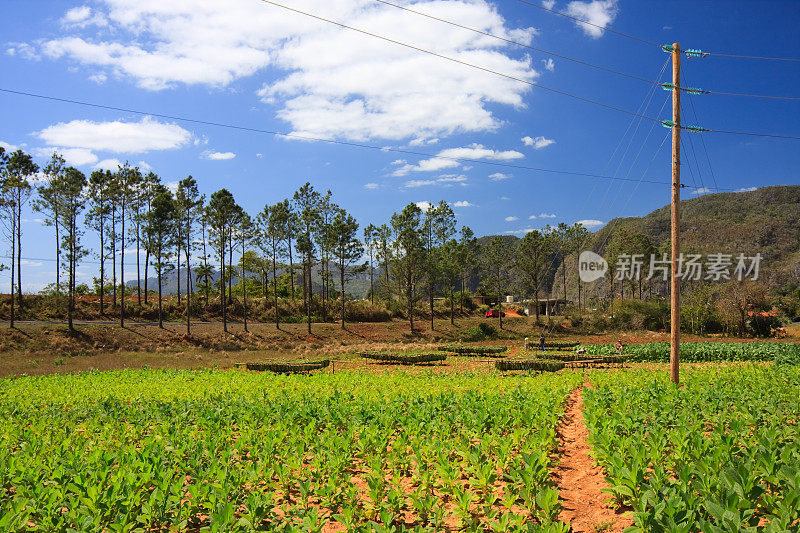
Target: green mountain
765	221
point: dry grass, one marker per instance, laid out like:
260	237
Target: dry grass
48	348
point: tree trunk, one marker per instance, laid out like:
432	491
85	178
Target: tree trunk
452	305
500	311
275	282
178	273
244	291
310	295
160	312
71	281
291	268
19	248
371	277
536	303
122	270
188	276
461	296
409	296
58	263
430	301
114	259
138	262
102	268
222	284
13	263
341	280
146	263
231	271
205	262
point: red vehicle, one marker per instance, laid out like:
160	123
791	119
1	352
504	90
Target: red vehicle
494	313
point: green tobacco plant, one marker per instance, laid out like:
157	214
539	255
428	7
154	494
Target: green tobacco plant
719	454
242	451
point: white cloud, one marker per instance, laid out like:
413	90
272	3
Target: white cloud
77	15
371	186
29	263
746	189
23	50
599	12
100	78
549	64
549	4
8	147
512	219
518	231
590	223
117	136
260	156
143	165
424	205
419	141
449	158
217	156
76	157
532	217
463	203
412	184
333	82
701	190
108	164
504	198
448	180
498	176
546	215
537	142
398	162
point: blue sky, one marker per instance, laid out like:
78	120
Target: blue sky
252	64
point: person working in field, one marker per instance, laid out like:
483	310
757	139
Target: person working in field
619	346
527	344
542	343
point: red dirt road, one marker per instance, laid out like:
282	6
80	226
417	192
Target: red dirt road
579	480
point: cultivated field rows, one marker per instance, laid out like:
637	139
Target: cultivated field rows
393	450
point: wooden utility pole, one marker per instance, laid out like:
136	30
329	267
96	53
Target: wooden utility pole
675	288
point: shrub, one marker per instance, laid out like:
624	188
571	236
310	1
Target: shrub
481	332
640	314
404	359
288	368
490	351
541	365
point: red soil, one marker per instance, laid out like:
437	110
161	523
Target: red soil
580	481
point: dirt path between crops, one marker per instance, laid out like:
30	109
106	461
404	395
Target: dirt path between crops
579	480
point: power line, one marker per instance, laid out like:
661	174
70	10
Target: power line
752	134
319	139
645	41
472	65
517	43
702	139
454	60
738	56
576	19
755	95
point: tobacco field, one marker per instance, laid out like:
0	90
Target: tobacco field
235	451
721	454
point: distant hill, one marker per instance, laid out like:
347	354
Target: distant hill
765	221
